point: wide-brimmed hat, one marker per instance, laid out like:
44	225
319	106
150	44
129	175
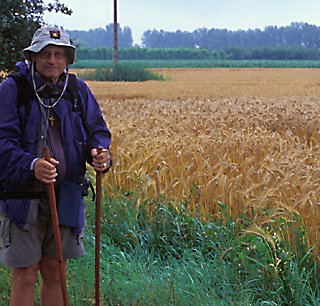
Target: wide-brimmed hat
50	36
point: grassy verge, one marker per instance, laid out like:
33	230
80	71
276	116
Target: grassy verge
158	254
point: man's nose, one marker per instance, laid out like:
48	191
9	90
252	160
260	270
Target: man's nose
51	57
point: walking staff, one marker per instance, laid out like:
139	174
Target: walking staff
56	232
98	227
98	233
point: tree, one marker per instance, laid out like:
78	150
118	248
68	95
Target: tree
102	37
296	35
125	38
19	20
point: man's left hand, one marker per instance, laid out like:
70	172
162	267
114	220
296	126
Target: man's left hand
101	162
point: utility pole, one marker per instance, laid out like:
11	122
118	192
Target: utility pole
115	34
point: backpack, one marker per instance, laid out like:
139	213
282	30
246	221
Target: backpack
25	95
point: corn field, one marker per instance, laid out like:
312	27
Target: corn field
248	138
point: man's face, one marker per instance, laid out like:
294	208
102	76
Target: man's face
51	62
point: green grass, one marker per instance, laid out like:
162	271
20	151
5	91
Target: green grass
158	254
203	63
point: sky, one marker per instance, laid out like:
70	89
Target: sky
186	15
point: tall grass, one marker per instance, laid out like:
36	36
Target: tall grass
173	258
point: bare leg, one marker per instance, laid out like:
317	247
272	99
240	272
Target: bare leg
50	291
23	284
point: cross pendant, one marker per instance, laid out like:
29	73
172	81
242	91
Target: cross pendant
51	120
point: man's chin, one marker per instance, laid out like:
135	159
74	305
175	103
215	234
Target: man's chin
50	78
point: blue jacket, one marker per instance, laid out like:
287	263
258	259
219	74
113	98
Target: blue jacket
20	138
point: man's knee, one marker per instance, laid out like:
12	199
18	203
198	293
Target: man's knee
25	277
49	269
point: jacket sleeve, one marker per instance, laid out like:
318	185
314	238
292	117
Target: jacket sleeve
98	134
15	163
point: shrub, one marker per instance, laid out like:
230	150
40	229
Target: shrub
121	73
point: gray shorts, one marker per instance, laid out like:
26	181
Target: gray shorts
23	248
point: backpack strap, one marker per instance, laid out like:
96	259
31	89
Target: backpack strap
25	91
77	104
74	95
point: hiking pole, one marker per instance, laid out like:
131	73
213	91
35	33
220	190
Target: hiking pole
56	232
98	232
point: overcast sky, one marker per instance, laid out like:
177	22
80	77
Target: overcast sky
186	15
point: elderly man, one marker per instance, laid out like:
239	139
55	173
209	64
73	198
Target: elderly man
45	112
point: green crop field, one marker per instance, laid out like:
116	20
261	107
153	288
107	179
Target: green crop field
203	63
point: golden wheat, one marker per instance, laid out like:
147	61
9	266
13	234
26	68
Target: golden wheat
247	138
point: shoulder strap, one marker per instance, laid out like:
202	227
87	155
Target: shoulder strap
74	93
77	103
25	92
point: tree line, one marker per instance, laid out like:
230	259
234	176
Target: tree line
297	34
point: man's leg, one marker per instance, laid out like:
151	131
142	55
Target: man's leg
23	284
50	291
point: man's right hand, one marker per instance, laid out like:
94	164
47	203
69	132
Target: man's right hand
46	172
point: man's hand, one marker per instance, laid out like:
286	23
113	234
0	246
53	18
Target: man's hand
101	162
46	172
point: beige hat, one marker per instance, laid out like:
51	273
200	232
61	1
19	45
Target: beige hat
50	36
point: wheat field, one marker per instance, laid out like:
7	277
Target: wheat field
248	138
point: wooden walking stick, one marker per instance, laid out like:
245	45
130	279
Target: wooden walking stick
56	231
98	232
